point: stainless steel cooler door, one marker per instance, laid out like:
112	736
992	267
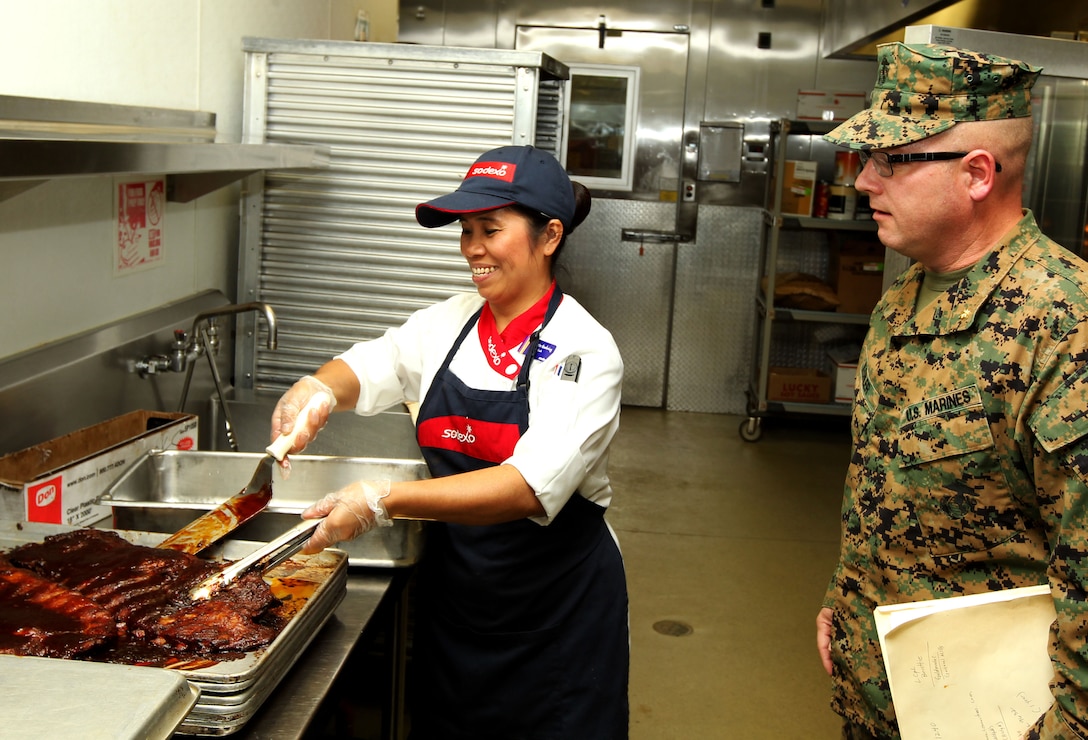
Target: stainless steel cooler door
628	287
628	284
1057	186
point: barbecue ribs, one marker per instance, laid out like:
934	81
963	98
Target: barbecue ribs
90	593
38	617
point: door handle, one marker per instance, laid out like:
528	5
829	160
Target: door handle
652	236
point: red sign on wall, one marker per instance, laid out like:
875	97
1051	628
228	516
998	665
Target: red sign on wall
140	220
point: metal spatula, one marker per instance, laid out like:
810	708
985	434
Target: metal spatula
243	506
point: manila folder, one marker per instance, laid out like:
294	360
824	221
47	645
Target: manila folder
969	667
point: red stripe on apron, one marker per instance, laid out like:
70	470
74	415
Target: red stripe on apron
483	440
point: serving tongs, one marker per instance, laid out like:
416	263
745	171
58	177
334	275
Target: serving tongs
263	558
246	504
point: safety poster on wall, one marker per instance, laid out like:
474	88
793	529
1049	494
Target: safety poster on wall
140	206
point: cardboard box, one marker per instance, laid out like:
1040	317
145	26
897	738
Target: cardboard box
857	272
844	361
798	384
56	482
798	187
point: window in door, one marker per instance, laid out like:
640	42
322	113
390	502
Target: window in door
599	139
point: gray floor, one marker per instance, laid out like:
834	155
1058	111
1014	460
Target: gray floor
735	541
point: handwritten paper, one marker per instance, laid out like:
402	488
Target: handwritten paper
969	667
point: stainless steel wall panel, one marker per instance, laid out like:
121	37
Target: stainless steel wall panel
744	78
627	286
422	22
337	252
714	312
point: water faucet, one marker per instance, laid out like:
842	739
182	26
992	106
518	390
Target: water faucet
186	347
208	341
203	339
255	306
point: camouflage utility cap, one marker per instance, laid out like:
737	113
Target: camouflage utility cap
924	89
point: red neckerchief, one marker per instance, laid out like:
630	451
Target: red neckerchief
497	346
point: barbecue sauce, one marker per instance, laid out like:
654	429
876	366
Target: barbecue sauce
225	518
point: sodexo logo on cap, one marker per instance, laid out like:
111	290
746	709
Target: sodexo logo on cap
924	89
499	170
523	175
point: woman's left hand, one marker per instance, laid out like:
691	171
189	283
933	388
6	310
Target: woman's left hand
349	513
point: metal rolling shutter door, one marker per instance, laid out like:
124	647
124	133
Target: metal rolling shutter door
340	256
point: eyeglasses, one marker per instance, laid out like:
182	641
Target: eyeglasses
882	161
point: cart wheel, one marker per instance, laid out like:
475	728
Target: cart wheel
751	429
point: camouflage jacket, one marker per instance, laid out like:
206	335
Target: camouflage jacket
969	471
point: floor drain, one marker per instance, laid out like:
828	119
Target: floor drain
673	628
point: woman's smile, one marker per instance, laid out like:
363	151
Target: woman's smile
481	272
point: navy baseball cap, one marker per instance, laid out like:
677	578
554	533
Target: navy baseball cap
509	175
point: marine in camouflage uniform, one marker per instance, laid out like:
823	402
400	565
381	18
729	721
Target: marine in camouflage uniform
970	464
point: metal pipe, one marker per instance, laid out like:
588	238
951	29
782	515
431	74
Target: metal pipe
235	308
228	422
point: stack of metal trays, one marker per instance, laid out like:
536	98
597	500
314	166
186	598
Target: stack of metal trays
231	691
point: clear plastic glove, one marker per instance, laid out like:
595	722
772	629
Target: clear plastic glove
349	513
285	416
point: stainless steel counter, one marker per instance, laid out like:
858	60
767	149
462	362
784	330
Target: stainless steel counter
293	706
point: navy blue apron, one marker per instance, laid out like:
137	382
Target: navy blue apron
521	630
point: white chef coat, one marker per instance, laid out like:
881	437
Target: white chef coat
571	424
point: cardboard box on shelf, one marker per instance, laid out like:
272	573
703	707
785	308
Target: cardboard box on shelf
857	272
798	384
798	187
56	482
845	362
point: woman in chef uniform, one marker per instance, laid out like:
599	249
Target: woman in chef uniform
521	627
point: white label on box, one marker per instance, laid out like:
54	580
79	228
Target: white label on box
67	496
804	169
844	382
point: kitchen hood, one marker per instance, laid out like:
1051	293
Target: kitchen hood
853	28
43	139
